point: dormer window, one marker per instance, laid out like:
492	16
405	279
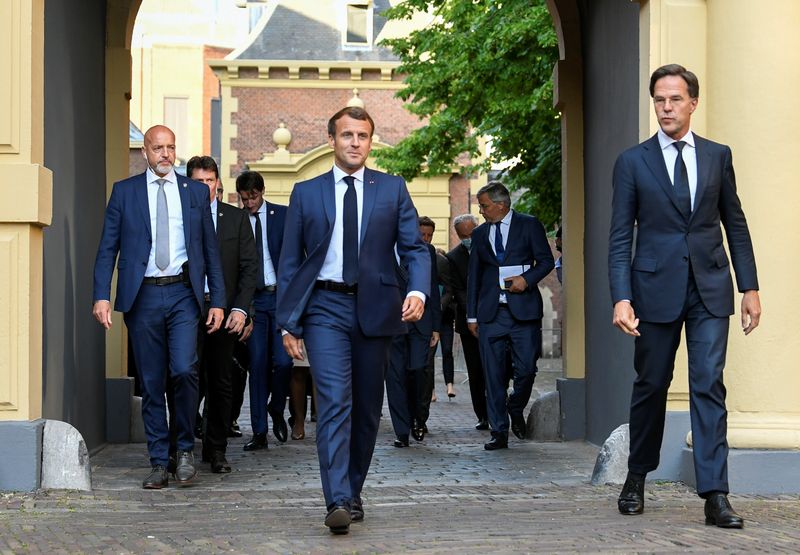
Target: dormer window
357	32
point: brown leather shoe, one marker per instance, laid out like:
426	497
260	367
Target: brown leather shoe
219	464
157	479
185	471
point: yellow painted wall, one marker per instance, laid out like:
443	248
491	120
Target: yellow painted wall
748	63
282	170
169	70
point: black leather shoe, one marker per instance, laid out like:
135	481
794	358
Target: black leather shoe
418	431
720	513
157	479
518	426
234	430
357	511
219	464
631	498
259	441
185	470
497	442
339	519
401	441
279	427
482	425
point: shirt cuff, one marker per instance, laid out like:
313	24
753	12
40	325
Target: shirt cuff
418	294
472	320
234	309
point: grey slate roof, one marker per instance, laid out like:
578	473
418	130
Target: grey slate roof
308	30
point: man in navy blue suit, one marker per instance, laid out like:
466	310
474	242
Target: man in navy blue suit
160	224
675	189
270	366
408	390
510	256
338	293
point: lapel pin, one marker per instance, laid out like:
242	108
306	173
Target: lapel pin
271	212
185	185
220	214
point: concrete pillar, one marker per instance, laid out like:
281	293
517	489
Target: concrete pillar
747	58
26	185
753	79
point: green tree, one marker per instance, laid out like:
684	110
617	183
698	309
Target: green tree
482	69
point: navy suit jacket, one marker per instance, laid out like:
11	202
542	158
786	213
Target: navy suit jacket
276	222
526	244
126	231
431	320
655	281
388	218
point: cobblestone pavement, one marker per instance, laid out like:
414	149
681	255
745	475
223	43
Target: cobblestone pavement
443	495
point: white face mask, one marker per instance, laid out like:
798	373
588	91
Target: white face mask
467	243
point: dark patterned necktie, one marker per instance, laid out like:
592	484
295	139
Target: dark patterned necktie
260	252
350	233
680	179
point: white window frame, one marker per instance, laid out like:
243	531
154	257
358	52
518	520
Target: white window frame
369	31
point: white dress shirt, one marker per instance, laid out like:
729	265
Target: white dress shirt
177	241
670	154
333	265
213	219
270	275
505	226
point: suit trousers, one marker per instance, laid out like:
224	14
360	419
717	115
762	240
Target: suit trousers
270	365
446	336
524	337
348	370
216	366
654	361
405	380
477	383
162	324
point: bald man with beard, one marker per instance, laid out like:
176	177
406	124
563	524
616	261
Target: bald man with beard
159	223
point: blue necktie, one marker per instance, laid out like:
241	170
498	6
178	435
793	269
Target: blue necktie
680	180
350	235
500	251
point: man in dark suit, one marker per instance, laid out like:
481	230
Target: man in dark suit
457	279
270	366
338	292
408	391
160	224
510	256
675	189
239	268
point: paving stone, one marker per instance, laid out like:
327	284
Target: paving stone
443	495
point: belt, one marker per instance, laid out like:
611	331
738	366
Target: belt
336	287
165	280
267	288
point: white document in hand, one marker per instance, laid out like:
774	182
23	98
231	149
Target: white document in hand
507	272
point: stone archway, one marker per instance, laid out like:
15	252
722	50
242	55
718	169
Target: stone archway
568	98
